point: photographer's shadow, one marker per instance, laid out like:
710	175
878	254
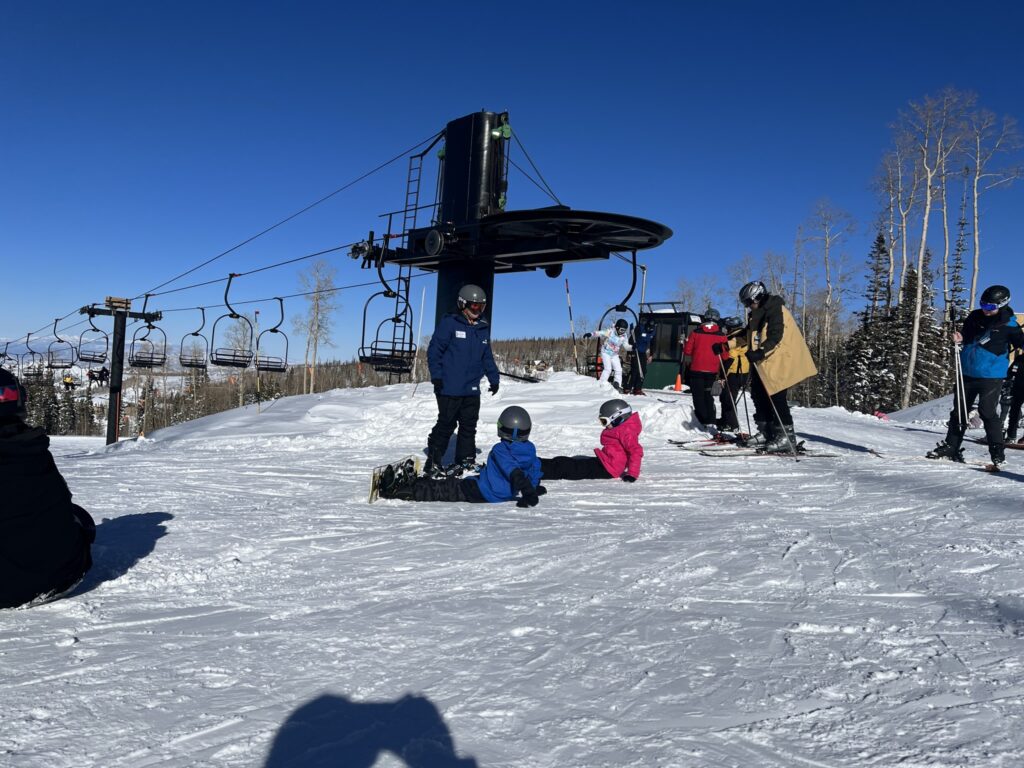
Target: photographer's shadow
335	732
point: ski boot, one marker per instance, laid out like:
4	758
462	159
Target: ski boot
998	457
467	465
781	441
946	451
759	439
433	470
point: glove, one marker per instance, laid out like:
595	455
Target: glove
755	355
528	500
438	385
493	389
717	347
628	478
587	335
541	490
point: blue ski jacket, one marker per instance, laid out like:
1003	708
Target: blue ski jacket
987	343
505	458
460	355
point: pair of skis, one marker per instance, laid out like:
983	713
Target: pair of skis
722	447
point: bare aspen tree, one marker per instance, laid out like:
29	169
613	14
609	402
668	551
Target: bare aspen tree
988	136
887	187
828	227
936	127
906	172
240	339
318	283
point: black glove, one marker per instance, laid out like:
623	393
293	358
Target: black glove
628	478
541	490
493	389
528	500
717	347
755	355
587	335
438	385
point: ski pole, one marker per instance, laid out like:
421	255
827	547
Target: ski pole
572	327
728	391
778	419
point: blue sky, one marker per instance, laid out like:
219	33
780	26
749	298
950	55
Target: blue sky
141	139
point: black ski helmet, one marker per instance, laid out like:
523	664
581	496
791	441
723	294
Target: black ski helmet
614	412
751	292
621	324
712	314
996	294
12	398
470	293
514	424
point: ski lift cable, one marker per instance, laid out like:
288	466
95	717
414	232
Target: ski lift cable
536	183
152	292
288	296
254	271
515	135
289	218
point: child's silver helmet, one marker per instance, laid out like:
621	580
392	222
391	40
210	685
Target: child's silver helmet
614	412
514	424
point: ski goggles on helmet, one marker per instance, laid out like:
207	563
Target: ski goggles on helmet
988	306
10	394
606	420
476	306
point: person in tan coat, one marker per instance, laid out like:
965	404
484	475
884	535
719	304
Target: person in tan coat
779	359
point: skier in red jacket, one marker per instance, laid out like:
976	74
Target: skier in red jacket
619	456
707	349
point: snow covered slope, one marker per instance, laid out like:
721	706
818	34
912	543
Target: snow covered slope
249	608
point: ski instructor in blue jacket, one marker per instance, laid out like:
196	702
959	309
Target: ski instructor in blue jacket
459	355
988	334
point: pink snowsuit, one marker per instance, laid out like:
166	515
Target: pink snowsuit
620	449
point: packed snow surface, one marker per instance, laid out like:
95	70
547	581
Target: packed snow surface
248	607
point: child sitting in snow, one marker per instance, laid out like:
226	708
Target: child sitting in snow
619	455
44	538
512	470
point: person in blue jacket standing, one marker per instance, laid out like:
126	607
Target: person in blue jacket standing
988	334
459	355
512	472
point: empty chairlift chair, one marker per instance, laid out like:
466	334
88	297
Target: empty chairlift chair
61	354
195	356
93	344
269	363
150	349
32	363
232	357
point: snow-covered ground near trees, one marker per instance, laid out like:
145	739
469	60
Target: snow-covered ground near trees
248	607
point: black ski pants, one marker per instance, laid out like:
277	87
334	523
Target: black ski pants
453	411
735	384
766	406
701	385
635	381
448	489
573	468
986	393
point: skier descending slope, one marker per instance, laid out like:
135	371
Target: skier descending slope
987	336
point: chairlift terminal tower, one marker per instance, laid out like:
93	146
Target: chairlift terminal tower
472	236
